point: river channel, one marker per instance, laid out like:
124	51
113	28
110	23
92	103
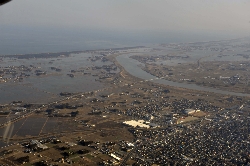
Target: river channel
132	67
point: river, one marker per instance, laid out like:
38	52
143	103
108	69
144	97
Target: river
131	66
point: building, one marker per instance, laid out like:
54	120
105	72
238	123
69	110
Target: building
115	157
190	111
36	143
134	123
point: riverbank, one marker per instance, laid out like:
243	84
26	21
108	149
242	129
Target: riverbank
137	71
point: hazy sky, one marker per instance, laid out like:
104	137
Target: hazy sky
225	16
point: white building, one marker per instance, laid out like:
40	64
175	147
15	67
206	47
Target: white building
191	111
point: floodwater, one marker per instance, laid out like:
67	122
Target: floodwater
38	126
43	89
31	126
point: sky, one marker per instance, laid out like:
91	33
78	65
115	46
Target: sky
161	18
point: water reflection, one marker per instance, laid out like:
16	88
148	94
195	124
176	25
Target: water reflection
8	132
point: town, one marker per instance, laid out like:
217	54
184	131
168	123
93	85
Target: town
126	120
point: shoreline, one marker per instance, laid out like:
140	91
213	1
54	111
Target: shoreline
66	53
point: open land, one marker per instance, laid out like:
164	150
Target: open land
116	118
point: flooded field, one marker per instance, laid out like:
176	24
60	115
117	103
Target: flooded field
43	79
58	125
31	126
178	53
38	126
45	88
36	88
